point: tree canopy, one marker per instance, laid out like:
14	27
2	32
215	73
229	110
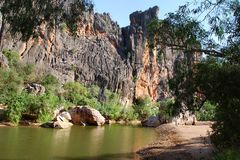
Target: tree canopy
25	16
210	27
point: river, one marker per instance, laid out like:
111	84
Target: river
111	142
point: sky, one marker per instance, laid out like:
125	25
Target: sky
121	9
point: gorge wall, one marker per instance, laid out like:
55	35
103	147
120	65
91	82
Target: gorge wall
102	53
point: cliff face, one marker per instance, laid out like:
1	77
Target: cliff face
102	53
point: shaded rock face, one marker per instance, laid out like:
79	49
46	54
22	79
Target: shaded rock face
83	115
101	53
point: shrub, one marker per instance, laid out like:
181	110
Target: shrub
75	93
51	83
63	27
45	115
26	72
129	114
10	84
226	130
231	154
145	108
12	56
17	104
166	109
111	110
219	82
207	112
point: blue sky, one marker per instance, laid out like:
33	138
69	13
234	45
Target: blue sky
120	9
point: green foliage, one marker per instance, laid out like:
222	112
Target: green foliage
207	112
129	114
111	110
167	109
63	27
16	106
25	16
51	83
145	108
12	57
230	154
10	83
76	93
219	82
45	116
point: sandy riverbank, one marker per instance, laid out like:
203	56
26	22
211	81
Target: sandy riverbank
181	143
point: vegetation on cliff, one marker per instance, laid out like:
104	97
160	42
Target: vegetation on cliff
13	82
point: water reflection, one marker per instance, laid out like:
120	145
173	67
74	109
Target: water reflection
82	143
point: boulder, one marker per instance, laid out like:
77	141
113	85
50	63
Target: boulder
34	88
62	121
65	115
86	115
62	124
58	111
186	118
152	121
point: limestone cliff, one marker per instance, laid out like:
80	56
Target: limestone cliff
102	53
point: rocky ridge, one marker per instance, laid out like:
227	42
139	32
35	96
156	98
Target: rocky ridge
102	53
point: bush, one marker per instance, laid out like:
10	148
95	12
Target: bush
111	110
207	112
145	108
129	114
26	72
166	109
63	27
10	84
51	83
220	84
226	130
17	104
231	154
45	115
12	56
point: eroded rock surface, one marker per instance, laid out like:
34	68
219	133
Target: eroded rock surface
101	48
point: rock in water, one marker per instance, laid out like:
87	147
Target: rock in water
86	115
66	116
60	122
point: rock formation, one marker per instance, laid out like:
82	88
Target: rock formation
84	115
102	53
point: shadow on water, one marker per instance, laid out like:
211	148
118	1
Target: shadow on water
121	156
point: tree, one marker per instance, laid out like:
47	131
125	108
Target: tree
25	16
213	29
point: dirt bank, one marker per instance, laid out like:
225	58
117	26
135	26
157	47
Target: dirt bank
180	143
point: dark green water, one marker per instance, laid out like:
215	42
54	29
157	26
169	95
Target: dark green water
77	143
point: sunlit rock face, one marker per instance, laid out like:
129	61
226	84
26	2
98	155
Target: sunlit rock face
102	53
